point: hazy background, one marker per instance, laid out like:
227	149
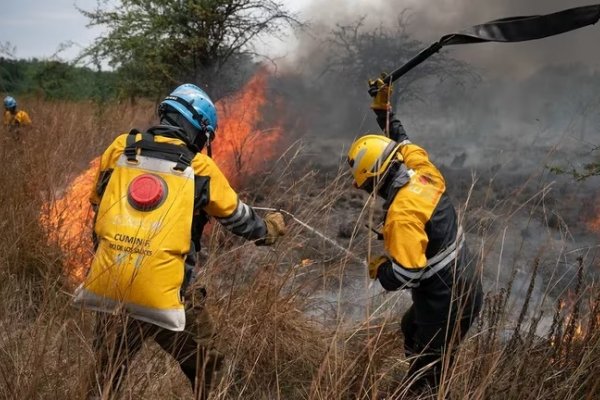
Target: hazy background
38	27
497	115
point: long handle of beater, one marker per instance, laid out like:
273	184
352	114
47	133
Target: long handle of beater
507	30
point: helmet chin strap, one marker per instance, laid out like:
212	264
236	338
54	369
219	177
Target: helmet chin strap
208	144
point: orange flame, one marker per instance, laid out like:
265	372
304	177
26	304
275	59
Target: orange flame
68	223
594	224
306	262
241	148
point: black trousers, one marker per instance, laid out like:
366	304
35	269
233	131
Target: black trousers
430	345
118	338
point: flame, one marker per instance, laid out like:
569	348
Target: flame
571	321
240	149
307	262
242	146
68	223
578	334
593	224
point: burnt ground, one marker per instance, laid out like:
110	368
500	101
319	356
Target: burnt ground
514	210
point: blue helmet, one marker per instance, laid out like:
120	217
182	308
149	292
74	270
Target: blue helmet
194	105
10	102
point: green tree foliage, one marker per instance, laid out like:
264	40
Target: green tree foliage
55	80
12	75
156	44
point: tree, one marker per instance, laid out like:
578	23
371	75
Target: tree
359	53
55	80
337	64
156	44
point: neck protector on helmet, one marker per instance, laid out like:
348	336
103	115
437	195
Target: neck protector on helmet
175	125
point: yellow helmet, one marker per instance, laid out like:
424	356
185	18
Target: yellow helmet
370	156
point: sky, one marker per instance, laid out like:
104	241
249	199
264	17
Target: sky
37	28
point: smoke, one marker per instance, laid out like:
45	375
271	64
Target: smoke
429	20
499	112
474	102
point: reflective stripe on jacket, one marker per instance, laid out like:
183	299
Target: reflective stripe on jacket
425	242
219	200
145	258
421	233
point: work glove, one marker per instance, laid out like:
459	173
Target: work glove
275	227
374	265
381	93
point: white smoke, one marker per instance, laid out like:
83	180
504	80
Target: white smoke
431	19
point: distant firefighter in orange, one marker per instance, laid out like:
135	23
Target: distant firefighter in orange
154	193
14	118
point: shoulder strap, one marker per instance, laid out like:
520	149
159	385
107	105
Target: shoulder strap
181	155
130	149
201	199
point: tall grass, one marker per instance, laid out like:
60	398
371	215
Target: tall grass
297	321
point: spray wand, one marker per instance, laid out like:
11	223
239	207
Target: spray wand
316	232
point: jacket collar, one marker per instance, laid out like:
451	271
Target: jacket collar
400	177
174	132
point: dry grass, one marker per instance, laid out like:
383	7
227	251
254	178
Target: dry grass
290	330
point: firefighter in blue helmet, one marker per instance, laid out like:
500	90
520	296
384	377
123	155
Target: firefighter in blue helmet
13	117
154	193
425	248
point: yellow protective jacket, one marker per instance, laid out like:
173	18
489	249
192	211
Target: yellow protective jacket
145	257
420	224
423	239
19	118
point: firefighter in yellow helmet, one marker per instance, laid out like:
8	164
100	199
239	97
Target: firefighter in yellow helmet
14	118
425	249
154	193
